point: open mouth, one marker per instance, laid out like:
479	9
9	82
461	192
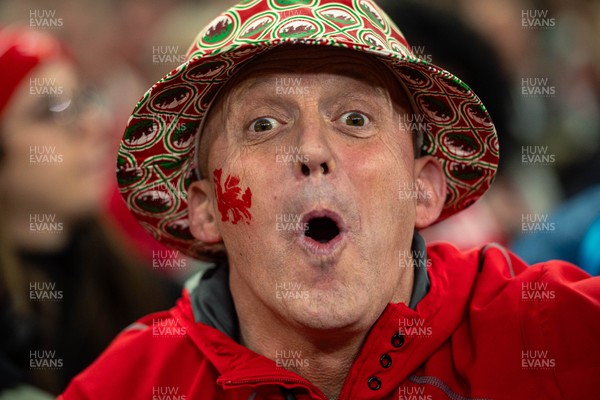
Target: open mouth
322	229
324	234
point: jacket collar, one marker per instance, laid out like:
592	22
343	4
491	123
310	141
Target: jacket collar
441	293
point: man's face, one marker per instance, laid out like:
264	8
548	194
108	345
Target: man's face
316	140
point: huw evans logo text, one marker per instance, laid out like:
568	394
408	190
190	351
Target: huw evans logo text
537	223
290	222
167	259
290	154
537	155
45	86
44	19
44	359
44	155
44	223
290	359
290	290
167	55
537	87
413	393
537	359
285	86
40	291
537	19
167	393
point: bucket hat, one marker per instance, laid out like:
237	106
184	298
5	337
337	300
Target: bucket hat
156	160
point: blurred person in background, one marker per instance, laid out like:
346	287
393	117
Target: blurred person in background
122	47
67	282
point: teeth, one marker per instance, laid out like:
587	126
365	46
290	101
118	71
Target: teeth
322	229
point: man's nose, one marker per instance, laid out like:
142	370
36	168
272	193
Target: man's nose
316	153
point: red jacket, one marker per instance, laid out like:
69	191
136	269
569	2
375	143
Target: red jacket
489	327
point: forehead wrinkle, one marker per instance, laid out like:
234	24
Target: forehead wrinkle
358	87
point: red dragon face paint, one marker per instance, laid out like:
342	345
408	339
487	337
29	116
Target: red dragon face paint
228	199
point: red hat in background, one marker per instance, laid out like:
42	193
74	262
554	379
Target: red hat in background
21	50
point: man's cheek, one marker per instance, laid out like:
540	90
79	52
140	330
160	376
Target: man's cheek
233	204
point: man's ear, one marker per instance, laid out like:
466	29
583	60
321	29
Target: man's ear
201	212
430	181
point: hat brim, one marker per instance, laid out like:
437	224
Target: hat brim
156	162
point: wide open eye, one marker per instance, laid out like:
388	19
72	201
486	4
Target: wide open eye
354	118
263	124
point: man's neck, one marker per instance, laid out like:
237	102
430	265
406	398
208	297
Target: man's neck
324	364
324	358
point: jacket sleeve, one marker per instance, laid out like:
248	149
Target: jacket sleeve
561	314
534	330
137	361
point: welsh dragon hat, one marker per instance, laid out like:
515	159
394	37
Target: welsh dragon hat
156	161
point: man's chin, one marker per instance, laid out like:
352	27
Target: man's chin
329	323
328	311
